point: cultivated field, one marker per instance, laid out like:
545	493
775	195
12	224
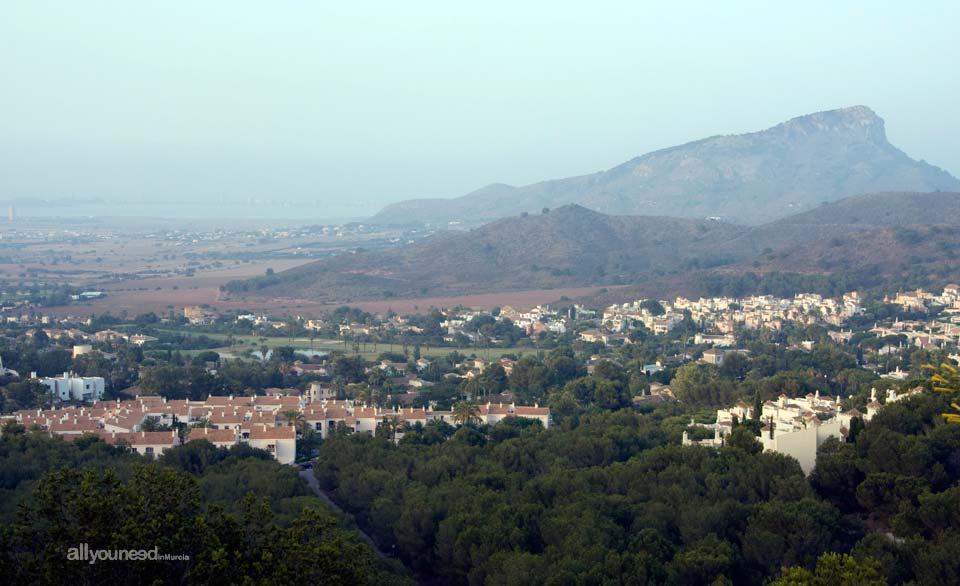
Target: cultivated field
174	294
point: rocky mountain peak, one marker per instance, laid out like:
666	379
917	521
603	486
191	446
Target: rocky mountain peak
853	120
745	178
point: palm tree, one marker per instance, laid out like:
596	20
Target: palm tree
470	388
364	395
202	422
465	413
339	386
295	419
390	426
946	379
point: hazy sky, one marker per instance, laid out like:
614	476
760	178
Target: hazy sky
349	105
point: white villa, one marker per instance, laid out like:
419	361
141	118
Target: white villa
796	427
70	387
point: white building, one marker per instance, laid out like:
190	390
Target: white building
717	341
81	349
281	442
319	392
75	388
149	443
221	438
7	371
796	427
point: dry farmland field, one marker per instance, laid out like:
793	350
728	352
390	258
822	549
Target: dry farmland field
144	266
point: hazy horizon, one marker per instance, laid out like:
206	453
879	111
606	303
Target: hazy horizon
334	111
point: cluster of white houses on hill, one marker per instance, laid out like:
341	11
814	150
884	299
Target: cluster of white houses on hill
796	426
723	314
269	422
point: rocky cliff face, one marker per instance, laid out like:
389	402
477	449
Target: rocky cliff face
747	178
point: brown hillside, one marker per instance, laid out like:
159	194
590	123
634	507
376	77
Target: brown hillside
575	247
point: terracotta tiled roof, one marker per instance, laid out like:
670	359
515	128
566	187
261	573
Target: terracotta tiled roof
273	433
142	438
226	417
412	414
73	425
213	435
532	411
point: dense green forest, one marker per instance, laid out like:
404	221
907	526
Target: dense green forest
241	517
785	284
606	496
610	498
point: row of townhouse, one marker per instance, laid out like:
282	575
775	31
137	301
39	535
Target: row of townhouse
331	416
259	421
920	334
114	424
279	441
268	422
920	300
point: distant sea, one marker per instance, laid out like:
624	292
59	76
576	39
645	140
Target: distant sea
302	214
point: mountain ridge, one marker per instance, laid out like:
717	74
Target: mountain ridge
749	178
